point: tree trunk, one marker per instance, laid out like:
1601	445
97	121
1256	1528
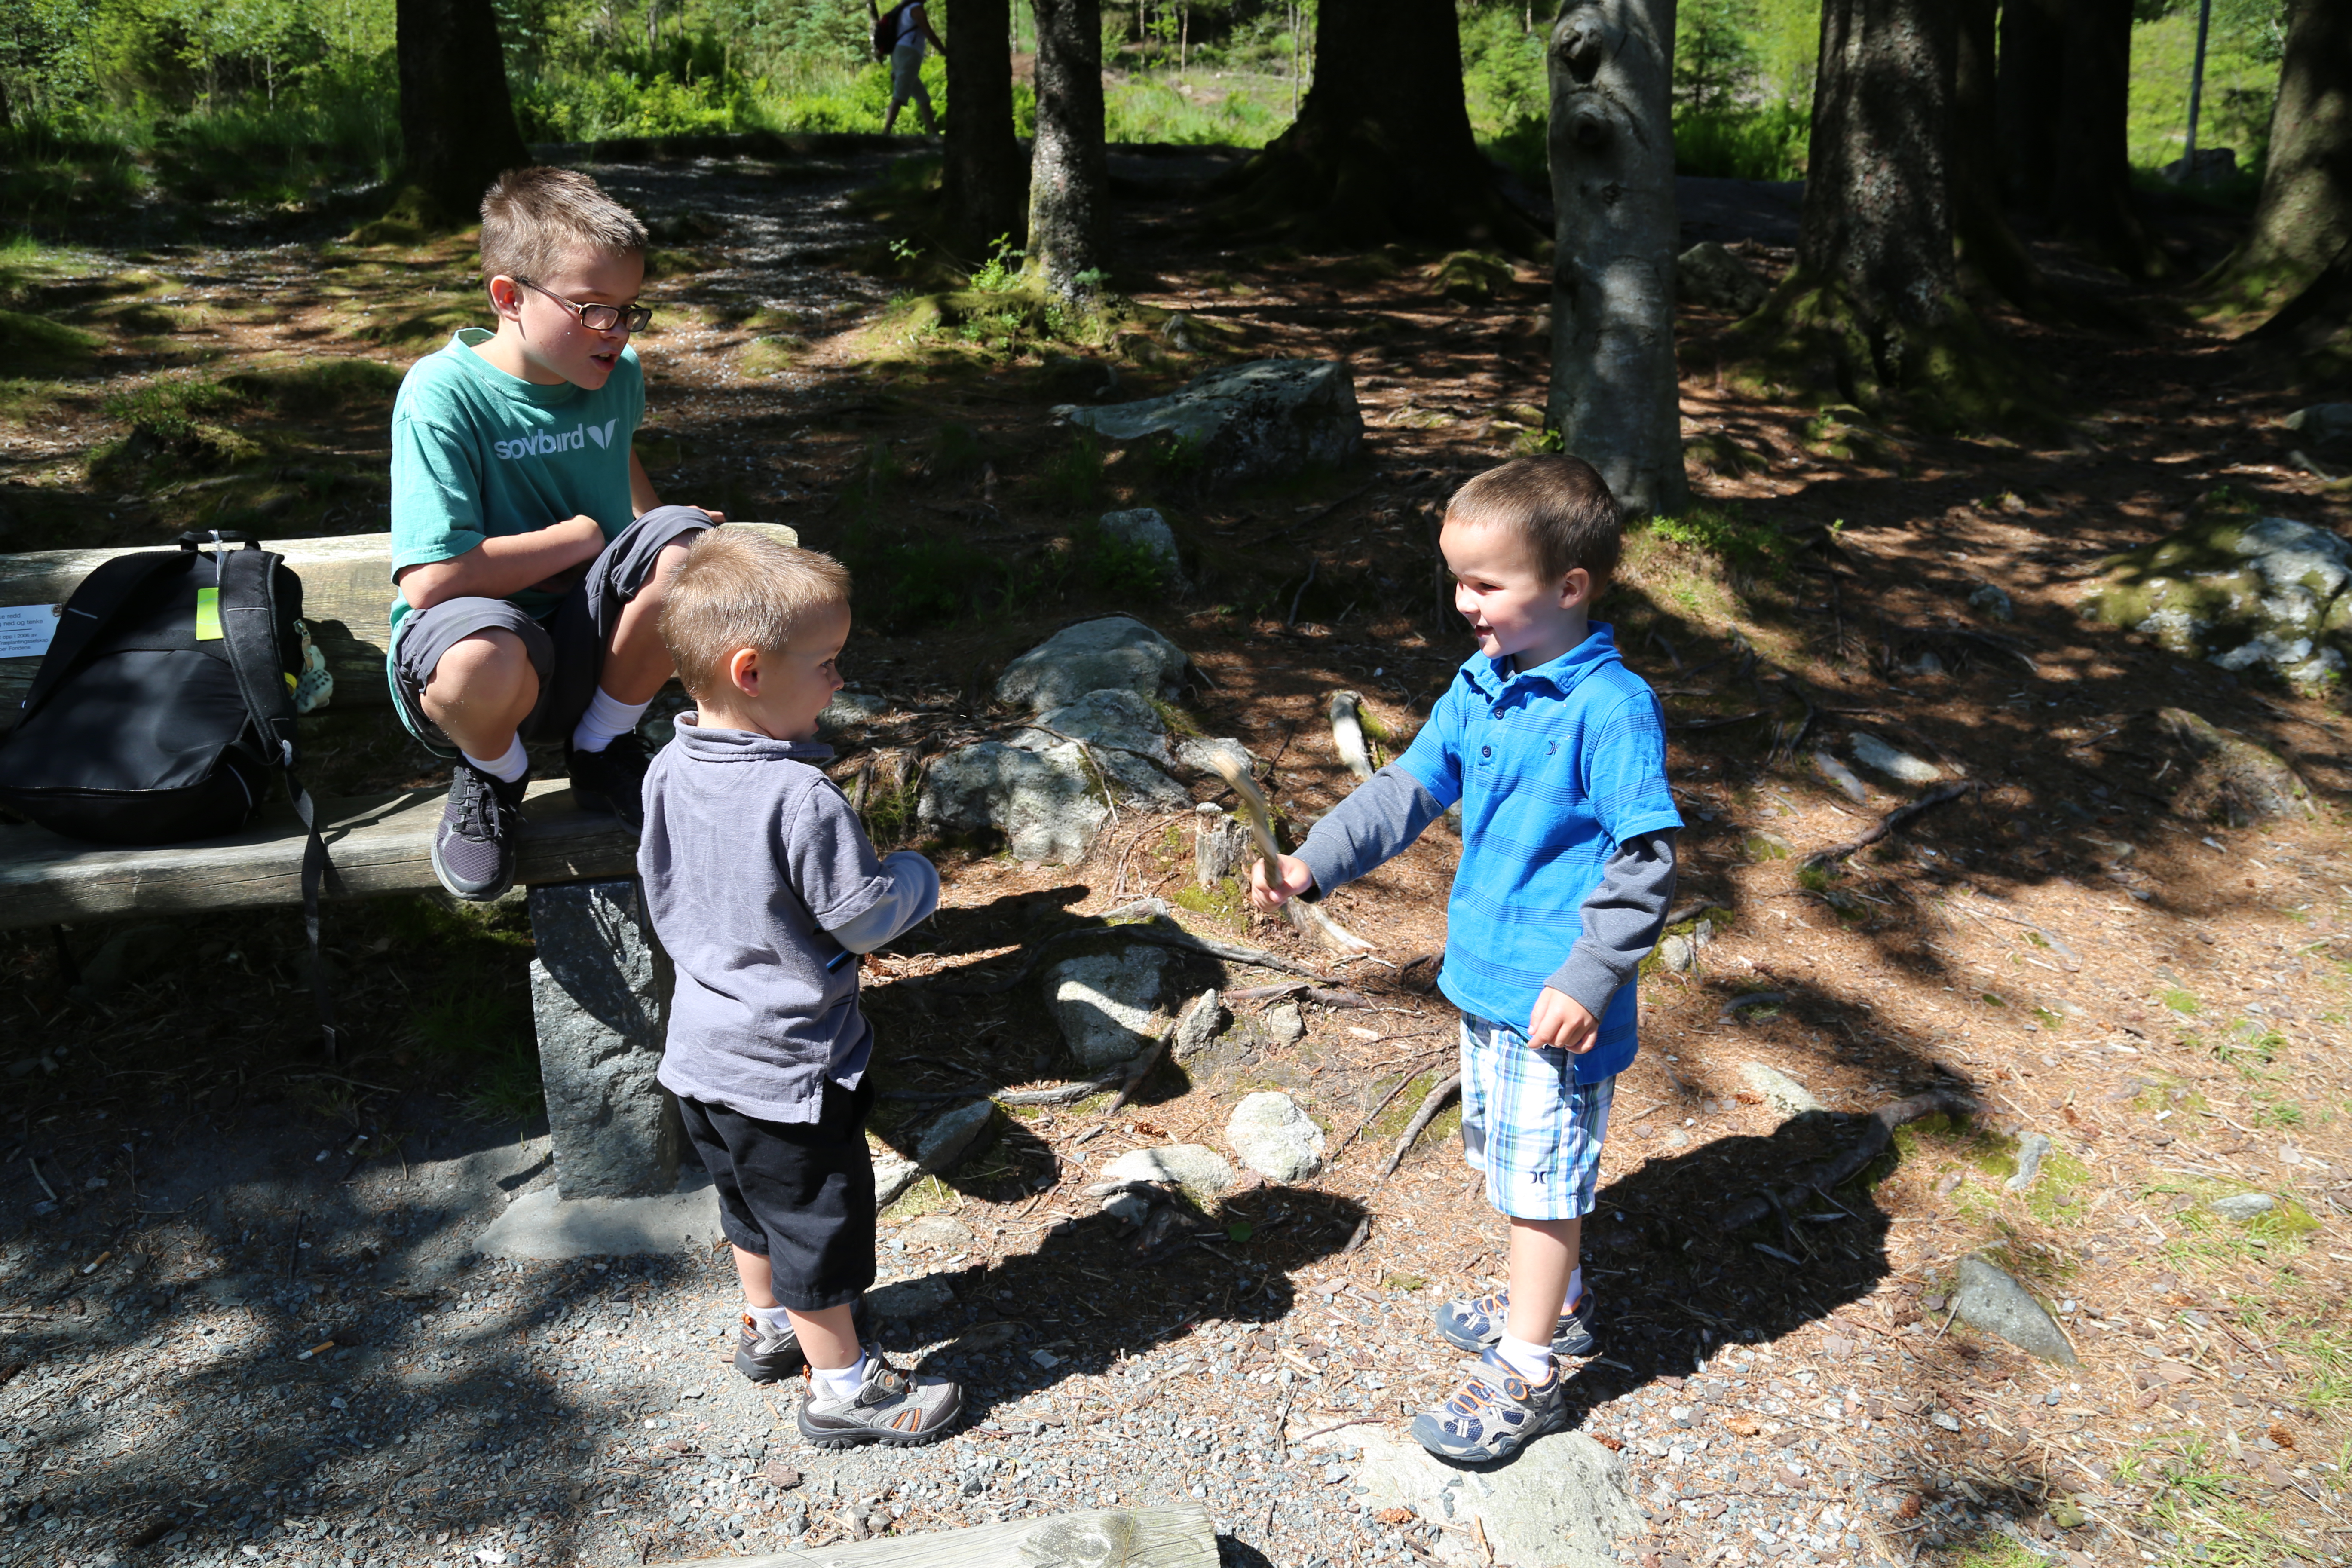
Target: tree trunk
1987	242
2090	193
980	186
1613	385
1872	297
456	122
1381	149
2303	218
1069	182
2033	50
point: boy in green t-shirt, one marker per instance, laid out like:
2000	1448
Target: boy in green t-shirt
529	548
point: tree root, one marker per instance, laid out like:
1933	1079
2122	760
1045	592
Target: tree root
1895	819
1875	1134
1430	1106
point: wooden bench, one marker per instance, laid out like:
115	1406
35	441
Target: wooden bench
599	984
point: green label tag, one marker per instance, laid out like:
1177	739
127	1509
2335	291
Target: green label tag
208	615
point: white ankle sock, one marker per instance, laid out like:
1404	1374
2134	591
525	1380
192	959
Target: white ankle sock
774	1322
1530	1362
1575	1290
607	717
841	1384
506	769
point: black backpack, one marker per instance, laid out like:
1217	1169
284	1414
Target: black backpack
166	702
886	30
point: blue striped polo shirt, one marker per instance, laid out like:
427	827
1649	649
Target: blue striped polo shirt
1554	766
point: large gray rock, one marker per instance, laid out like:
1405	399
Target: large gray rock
1275	1138
1990	1300
1194	1166
850	711
2326	429
1112	717
1780	1091
1148	531
1202	756
2229	777
1105	1001
952	1136
2267	592
1565	1502
1204	1019
2243	1206
1046	804
600	989
1112	652
1264	418
1706	274
1879	757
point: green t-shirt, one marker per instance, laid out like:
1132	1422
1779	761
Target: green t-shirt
476	452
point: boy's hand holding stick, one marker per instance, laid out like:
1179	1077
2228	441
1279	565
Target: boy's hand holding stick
1282	879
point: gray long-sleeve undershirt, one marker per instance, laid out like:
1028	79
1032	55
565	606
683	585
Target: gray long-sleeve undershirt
914	894
1622	915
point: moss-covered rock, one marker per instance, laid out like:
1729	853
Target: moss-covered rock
2244	591
2229	778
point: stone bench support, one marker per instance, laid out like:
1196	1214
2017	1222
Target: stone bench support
600	991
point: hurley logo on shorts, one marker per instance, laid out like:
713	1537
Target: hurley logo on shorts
548	442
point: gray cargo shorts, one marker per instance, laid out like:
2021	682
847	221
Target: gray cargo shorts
566	648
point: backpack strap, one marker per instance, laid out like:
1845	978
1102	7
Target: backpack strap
95	600
248	617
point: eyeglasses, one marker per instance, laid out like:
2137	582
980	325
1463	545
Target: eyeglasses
599	318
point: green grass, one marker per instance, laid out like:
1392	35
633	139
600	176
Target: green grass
2235	111
1768	142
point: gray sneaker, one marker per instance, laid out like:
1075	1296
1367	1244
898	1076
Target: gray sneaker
473	850
765	1358
1475	1323
1495	1413
902	1409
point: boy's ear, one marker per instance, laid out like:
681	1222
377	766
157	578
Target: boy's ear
506	296
744	671
1578	587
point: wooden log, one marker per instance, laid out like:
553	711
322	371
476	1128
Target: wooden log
346	599
1095	1537
381	844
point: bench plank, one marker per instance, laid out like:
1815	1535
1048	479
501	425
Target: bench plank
346	599
379	845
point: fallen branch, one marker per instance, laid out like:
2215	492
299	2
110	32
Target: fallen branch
1302	914
1430	1105
1323	996
1876	1133
1895	819
1410	1073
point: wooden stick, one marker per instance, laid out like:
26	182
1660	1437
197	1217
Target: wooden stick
1876	1133
1421	1119
1301	913
1895	819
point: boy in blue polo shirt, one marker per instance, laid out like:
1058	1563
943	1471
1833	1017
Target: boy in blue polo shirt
1557	753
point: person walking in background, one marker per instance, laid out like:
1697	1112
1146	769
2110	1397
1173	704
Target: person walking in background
900	34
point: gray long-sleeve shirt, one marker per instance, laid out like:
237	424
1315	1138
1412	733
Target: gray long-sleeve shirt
1622	915
761	884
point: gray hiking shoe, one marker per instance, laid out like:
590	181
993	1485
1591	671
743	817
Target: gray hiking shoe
473	850
766	1358
614	778
1475	1323
902	1409
1495	1413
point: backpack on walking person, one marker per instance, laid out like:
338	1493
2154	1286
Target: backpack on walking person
887	29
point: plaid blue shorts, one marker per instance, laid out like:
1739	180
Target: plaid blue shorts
1529	1124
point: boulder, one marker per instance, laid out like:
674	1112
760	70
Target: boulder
2206	166
941	1232
850	709
1992	601
892	1177
1781	1092
1201	755
1115	652
1564	1501
1262	419
1285	1024
1147	531
1275	1138
1204	1021
1708	275
1193	1166
1105	1001
600	990
2241	593
905	1298
950	1138
1879	757
1047	805
2325	428
1988	1300
1113	718
1136	783
2243	1206
1825	762
2231	779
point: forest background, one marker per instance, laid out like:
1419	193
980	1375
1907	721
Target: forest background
290	99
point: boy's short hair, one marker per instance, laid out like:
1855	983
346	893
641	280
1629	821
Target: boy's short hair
534	219
739	589
1559	505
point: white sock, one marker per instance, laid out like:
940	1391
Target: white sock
608	718
774	1322
841	1385
1575	1290
506	769
1530	1362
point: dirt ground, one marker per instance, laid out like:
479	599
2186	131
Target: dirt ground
2071	942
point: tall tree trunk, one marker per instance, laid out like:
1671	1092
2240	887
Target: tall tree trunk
1987	242
2032	62
1613	385
2090	194
980	186
456	122
2303	218
1874	295
1381	148
1069	181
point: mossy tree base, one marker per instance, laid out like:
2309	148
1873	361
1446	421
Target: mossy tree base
413	217
1814	341
1349	189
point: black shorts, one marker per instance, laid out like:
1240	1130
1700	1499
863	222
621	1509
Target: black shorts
799	1193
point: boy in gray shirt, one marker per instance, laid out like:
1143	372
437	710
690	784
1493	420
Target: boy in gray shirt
763	888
